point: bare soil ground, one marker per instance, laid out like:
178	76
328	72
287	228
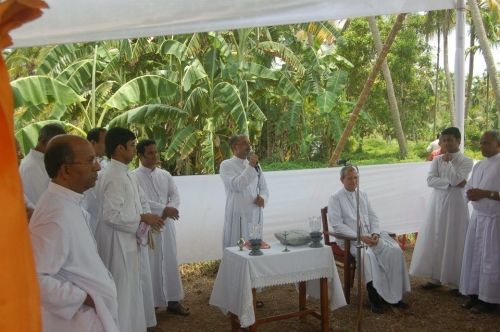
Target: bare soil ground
436	310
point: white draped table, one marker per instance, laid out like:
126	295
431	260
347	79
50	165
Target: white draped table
240	274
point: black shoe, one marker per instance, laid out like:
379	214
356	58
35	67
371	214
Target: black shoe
377	309
430	285
401	305
483	308
471	302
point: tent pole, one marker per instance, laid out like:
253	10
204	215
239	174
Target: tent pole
459	70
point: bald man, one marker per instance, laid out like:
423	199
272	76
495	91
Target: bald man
77	291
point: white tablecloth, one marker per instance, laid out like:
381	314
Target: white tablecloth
239	273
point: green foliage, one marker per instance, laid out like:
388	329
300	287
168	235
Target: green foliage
291	88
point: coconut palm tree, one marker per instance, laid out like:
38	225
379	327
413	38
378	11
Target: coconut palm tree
485	46
393	105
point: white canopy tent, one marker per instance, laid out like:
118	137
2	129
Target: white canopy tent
92	20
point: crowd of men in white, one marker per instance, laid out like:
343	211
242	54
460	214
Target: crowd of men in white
104	237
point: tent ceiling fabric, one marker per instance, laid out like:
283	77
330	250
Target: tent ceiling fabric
69	21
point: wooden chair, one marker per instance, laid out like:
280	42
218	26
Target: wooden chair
343	258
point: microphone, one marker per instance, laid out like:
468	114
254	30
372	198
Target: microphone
257	166
342	162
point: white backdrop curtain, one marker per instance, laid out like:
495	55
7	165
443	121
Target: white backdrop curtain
69	21
398	193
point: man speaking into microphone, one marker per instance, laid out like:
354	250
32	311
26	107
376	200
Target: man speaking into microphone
246	191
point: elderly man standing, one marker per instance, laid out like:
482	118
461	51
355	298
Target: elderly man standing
123	221
440	245
481	261
384	269
33	174
77	291
163	198
246	191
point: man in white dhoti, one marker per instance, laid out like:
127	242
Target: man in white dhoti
246	191
481	262
33	174
96	137
385	271
77	291
163	198
440	244
120	233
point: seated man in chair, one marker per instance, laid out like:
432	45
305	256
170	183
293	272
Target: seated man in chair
385	272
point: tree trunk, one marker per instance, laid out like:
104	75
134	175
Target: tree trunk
449	81
484	43
436	92
366	88
393	105
470	76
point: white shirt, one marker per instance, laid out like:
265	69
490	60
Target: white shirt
69	267
34	176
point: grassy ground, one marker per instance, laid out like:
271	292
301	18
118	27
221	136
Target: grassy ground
375	151
437	310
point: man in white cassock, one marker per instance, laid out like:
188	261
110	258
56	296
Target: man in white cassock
32	170
122	231
481	262
385	271
163	198
96	137
246	191
440	244
77	291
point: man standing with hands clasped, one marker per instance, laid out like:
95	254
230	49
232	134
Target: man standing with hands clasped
480	277
440	244
163	198
246	191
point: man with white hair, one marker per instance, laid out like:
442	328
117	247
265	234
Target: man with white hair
386	275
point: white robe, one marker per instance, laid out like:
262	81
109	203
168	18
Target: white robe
160	190
69	267
90	202
440	244
119	215
34	176
481	262
384	264
242	184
